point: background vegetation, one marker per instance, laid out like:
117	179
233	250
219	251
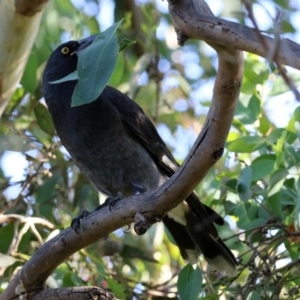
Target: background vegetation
255	185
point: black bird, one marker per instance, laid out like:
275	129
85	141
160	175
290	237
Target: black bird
117	147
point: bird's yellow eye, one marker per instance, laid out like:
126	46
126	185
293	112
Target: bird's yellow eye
65	50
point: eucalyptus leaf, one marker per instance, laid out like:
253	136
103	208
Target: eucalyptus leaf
246	144
275	205
76	97
189	283
44	119
194	285
96	65
254	295
244	184
183	279
70	77
263	166
29	79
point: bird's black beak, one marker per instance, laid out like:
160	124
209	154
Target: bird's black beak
84	43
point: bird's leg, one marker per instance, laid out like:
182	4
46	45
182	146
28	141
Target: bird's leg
111	201
78	222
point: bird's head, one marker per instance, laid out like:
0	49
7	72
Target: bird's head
63	60
61	63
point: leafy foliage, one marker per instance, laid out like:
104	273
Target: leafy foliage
255	185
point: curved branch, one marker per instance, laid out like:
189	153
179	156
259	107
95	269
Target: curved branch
211	29
206	151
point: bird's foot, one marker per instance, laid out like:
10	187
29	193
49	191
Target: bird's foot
142	223
111	201
78	222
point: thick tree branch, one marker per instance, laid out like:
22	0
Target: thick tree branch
19	23
72	293
206	151
240	37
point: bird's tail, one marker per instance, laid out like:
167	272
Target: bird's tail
197	234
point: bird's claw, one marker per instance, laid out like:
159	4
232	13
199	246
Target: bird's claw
78	222
111	201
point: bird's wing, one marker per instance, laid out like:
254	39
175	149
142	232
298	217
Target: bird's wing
198	219
142	129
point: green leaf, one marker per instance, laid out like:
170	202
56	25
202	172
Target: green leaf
280	86
117	76
297	208
13	142
275	205
262	166
194	285
244	184
76	97
71	279
246	176
44	119
293	125
276	187
6	233
278	175
29	79
183	279
264	125
247	216
125	43
292	248
48	190
253	296
246	144
292	156
255	73
117	289
71	76
241	212
296	114
248	109
189	283
95	66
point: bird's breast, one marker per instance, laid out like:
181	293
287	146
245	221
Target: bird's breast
107	155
